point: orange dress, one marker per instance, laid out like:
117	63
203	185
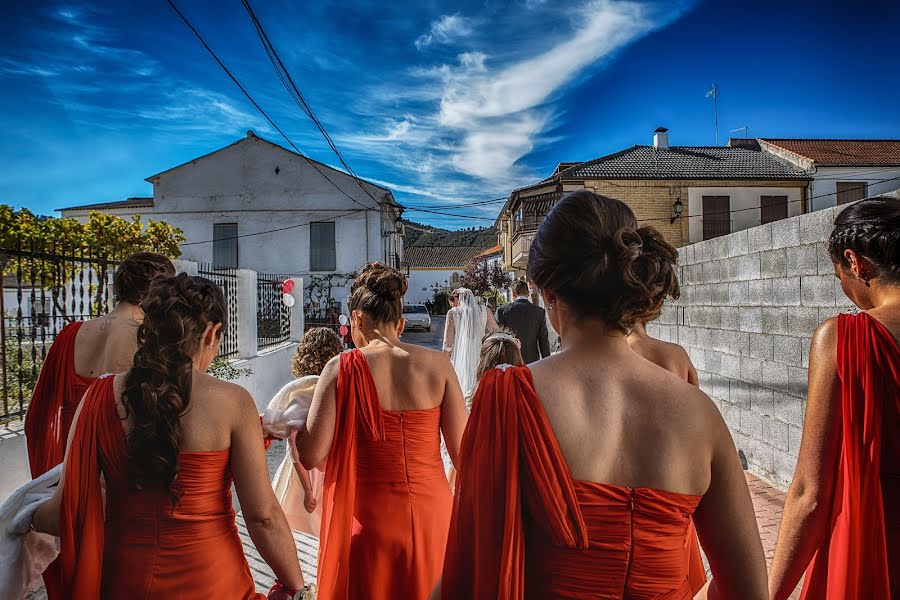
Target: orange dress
148	547
859	556
523	528
386	505
56	396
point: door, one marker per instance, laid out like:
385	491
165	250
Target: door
772	208
716	216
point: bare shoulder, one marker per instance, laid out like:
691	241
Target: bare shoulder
229	394
824	340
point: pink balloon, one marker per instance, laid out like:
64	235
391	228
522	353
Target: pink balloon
287	286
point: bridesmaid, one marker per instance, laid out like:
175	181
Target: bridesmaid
377	416
841	519
582	471
81	352
167	437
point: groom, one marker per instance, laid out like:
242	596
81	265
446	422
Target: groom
528	322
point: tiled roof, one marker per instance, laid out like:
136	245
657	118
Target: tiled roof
686	162
843	152
440	257
490	251
129	203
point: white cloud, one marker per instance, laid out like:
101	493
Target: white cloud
445	30
500	112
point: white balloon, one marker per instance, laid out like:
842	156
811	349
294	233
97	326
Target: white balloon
343	320
288	300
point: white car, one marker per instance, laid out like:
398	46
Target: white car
416	317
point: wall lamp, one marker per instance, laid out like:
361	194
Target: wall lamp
677	209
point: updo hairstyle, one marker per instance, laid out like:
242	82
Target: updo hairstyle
157	392
378	292
590	251
134	274
870	227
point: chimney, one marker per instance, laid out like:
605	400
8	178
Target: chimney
661	138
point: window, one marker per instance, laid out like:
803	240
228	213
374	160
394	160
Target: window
772	208
851	191
716	216
225	245
322	255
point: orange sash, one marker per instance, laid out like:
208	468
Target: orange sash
851	563
356	405
507	440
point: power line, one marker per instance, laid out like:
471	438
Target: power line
296	95
258	107
236	237
435	212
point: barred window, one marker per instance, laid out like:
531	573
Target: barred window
225	245
322	252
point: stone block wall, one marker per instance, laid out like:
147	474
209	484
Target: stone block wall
749	305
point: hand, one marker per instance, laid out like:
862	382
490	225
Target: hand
280	593
309	501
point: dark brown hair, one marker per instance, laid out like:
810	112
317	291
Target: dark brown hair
319	345
871	227
521	288
158	387
590	251
378	292
134	274
498	351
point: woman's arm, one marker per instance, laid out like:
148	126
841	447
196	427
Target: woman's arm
726	524
315	439
453	413
449	334
266	522
806	510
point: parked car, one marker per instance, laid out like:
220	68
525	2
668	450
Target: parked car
416	317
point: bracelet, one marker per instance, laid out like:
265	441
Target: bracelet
307	592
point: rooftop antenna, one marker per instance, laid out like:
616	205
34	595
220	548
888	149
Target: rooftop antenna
745	129
714	92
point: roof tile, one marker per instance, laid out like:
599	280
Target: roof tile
843	152
440	257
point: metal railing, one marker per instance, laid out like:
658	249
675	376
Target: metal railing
227	280
46	285
273	318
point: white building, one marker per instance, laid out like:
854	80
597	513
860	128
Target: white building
433	268
255	205
842	171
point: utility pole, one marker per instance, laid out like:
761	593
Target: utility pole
714	92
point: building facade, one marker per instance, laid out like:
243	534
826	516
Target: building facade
431	269
841	171
255	205
689	193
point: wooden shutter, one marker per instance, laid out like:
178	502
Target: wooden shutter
851	191
322	254
772	208
225	245
716	216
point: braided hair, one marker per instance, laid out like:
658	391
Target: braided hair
870	227
157	391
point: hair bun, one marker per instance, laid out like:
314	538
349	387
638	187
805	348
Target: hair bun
378	291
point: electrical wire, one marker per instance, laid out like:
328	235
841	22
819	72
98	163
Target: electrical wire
258	107
245	235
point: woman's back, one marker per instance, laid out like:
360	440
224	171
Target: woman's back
407	377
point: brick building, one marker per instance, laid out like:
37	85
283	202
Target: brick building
689	193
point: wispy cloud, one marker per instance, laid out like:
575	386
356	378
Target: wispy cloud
445	30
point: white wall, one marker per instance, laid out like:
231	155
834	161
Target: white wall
823	188
238	184
421	281
270	370
741	198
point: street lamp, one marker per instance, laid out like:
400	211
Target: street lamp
677	209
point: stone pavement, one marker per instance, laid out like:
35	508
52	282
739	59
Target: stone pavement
768	502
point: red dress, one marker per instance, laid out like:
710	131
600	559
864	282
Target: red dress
147	548
860	555
56	396
523	528
386	505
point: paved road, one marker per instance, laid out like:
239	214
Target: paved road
433	339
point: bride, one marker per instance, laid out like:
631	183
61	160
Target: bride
467	323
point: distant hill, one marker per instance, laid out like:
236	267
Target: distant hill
482	237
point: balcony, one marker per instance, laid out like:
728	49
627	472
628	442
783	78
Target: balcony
521	244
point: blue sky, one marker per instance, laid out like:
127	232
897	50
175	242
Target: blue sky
446	103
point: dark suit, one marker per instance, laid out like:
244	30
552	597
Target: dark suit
529	322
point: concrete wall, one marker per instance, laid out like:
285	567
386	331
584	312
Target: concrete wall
745	203
823	188
750	303
269	371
